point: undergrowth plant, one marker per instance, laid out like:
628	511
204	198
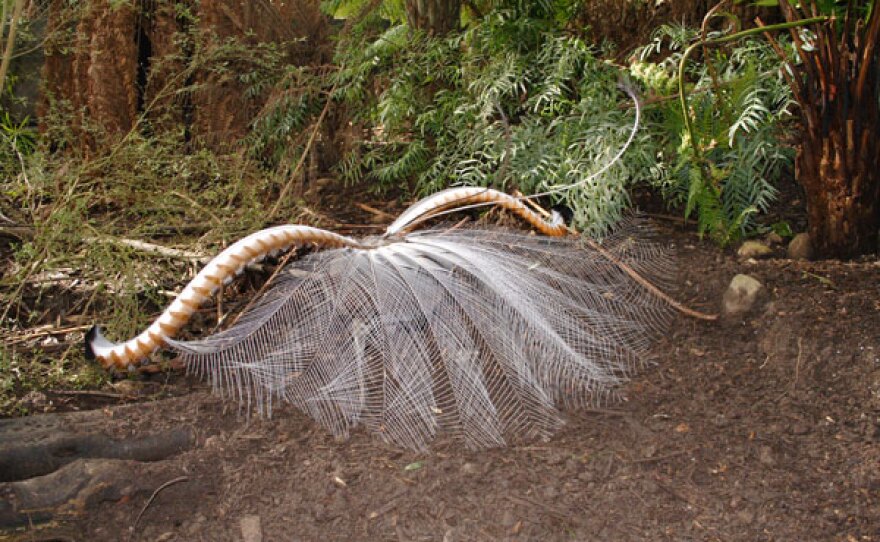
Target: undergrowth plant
510	102
516	101
72	213
724	166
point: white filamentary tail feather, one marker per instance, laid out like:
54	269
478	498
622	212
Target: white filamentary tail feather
481	334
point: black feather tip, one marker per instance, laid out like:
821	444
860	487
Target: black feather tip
90	337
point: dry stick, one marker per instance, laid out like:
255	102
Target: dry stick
153	497
152	248
303	156
373	210
35	334
10	41
635	275
91	393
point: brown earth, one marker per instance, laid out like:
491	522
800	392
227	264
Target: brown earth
760	428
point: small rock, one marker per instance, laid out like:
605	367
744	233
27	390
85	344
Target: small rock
251	530
508	519
741	295
765	456
800	428
800	247
753	249
469	469
773	238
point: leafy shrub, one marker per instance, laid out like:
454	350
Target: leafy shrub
514	101
737	99
509	102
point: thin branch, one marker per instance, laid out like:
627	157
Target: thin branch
10	42
302	158
264	287
154	249
167	484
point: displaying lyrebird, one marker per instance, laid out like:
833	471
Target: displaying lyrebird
479	333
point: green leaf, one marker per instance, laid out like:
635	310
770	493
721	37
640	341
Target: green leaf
782	229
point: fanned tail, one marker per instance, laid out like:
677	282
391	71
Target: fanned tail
478	334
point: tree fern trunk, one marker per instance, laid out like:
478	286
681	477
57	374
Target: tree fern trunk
436	17
843	203
838	89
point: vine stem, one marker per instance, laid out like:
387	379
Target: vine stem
682	96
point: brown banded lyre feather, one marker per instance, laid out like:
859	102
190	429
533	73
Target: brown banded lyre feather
221	270
256	246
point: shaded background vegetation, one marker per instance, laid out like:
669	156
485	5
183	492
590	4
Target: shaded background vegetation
189	123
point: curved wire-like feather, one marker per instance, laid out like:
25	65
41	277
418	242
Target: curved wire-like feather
481	334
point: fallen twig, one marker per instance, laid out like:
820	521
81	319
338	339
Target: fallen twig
373	210
42	331
92	393
265	285
152	248
167	484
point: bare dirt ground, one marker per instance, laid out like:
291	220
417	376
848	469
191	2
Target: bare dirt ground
765	427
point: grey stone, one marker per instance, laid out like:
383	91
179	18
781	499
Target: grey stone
741	295
800	248
753	249
251	530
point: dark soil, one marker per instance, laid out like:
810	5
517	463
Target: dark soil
765	427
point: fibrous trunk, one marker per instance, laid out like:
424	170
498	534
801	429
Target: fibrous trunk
837	86
843	199
111	65
436	17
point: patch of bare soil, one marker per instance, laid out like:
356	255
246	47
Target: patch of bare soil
765	427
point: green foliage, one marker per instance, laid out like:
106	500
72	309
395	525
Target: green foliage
737	101
277	133
513	101
508	102
78	205
17	141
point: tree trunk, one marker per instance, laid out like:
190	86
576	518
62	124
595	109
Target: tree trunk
843	203
837	86
436	17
